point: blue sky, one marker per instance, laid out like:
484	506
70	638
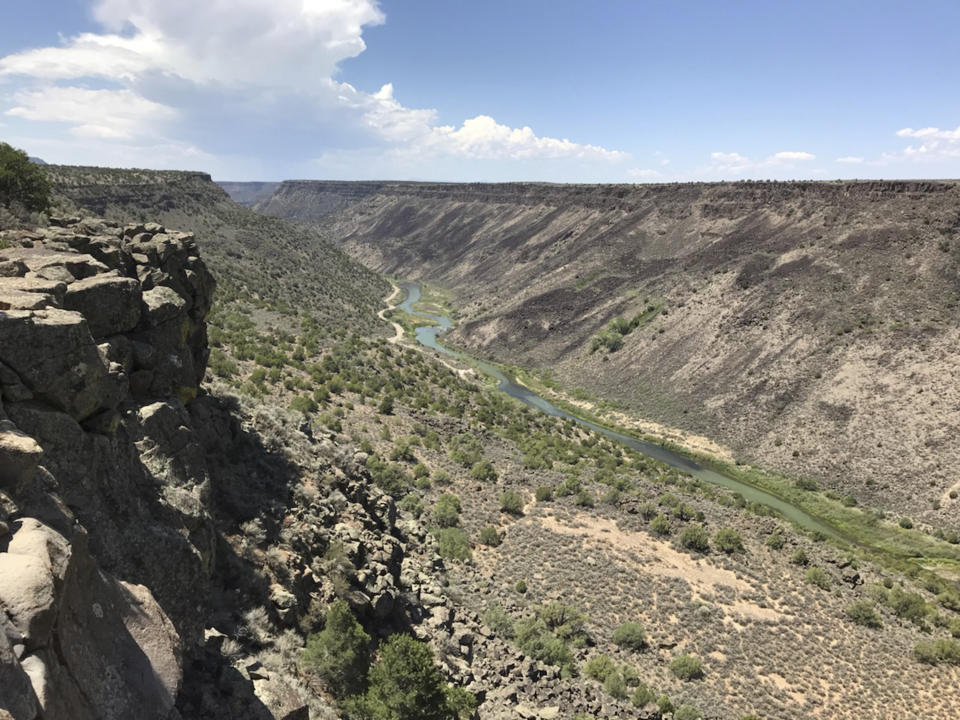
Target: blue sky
563	91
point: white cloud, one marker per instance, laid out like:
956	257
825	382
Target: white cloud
850	159
179	71
105	114
936	145
790	156
931	133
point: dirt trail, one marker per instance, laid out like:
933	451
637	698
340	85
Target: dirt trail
397	328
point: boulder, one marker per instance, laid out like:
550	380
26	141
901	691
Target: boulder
19	456
162	304
111	304
54	356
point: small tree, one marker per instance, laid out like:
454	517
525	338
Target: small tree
483	471
21	181
340	652
631	636
446	513
695	538
510	502
686	667
600	667
405	684
728	541
490	536
863	613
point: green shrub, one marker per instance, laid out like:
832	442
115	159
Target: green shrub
565	621
405	684
446	512
816	576
660	525
483	471
600	667
452	543
615	686
695	538
941	650
521	586
489	536
412	504
584	498
686	667
665	704
775	540
643	695
863	613
909	606
535	639
906	523
807	484
21	181
799	557
544	493
631	636
386	405
303	404
687	712
510	502
498	620
728	540
340	652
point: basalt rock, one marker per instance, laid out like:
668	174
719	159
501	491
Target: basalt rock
104	490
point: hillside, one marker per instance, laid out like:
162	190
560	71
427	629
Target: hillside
808	327
276	264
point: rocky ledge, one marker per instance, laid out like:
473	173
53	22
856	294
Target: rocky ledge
102	341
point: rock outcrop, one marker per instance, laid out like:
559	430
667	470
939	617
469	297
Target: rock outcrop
102	340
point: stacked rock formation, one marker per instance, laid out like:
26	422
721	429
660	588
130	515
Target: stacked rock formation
102	340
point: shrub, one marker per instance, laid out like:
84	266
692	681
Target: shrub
909	606
600	667
695	538
521	587
807	483
686	667
941	650
510	502
775	540
452	543
535	639
498	620
687	712
665	704
660	525
564	620
615	686
544	493
446	512
21	181
386	405
863	613
906	523
728	540
816	576
630	635
405	684
489	536
643	695
483	471
412	504
584	498
799	557
303	404
340	652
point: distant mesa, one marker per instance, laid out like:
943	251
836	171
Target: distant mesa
38	161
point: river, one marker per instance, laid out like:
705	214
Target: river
427	336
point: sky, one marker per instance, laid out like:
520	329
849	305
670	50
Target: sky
622	91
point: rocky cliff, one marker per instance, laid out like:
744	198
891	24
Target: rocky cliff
102	341
806	326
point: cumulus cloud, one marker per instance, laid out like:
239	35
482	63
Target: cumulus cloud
935	144
791	156
259	73
850	159
107	114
